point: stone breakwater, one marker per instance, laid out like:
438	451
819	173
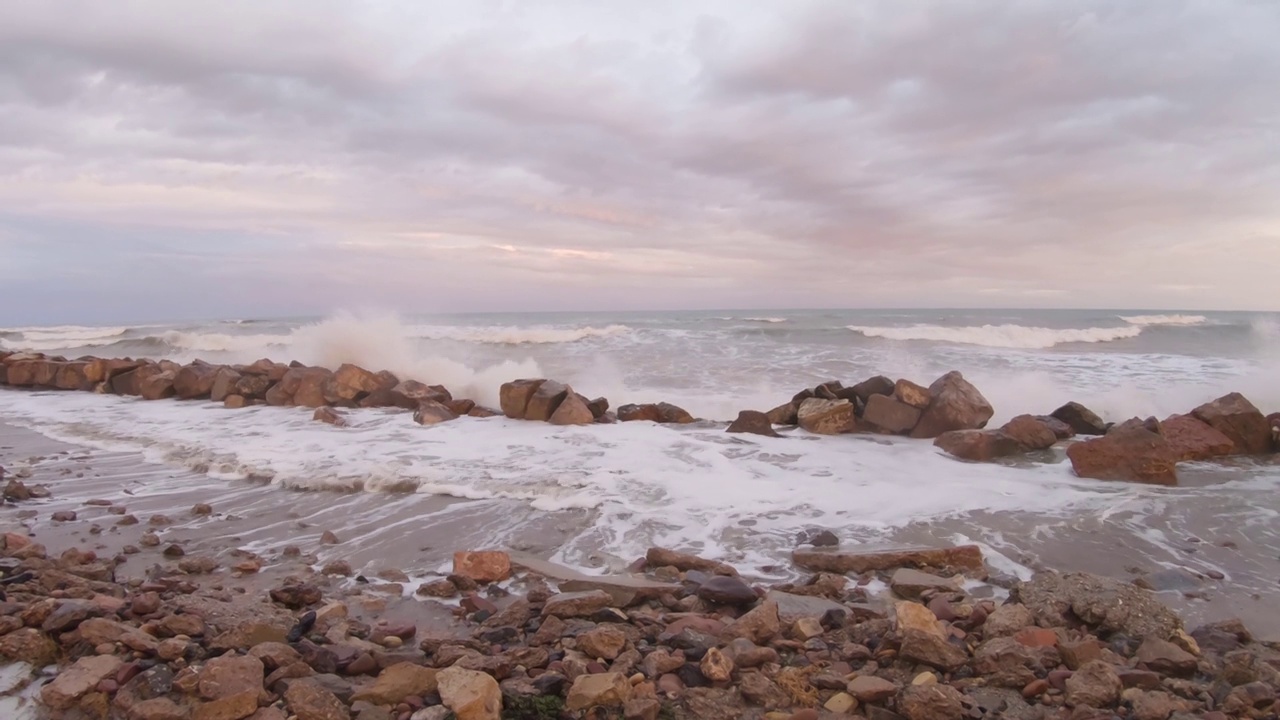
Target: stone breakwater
950	411
680	637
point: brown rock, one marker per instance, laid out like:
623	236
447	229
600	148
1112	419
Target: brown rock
514	397
470	695
907	392
603	642
1237	418
603	690
303	386
826	417
158	709
252	387
878	385
234	402
29	645
759	626
923	640
310	701
1191	439
888	414
546	399
78	680
784	414
224	384
1055	600
399	682
573	410
871	689
154	383
576	604
956	405
662	557
844	562
978	445
1080	419
194	381
727	590
484	566
1030	432
1165	657
330	416
1133	454
350	382
931	702
663	413
430	412
1094	685
753	422
912	584
716	666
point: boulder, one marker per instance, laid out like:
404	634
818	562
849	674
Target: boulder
470	695
224	384
72	376
408	394
909	393
576	604
1237	418
663	413
1166	658
784	414
194	381
826	417
514	397
888	414
572	411
1080	419
1111	606
546	399
956	405
843	562
302	386
1132	454
349	383
253	387
154	383
22	373
1191	439
753	422
430	412
127	382
978	445
663	557
599	407
1061	430
878	385
1030	432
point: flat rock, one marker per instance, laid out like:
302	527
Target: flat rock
576	604
871	559
1104	603
78	680
796	607
623	590
911	584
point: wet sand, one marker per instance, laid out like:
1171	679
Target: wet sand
1181	545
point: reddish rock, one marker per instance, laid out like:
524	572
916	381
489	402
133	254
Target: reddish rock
1133	454
1237	418
878	385
349	383
753	422
891	415
483	565
235	402
663	413
154	383
545	400
909	393
956	405
826	417
1191	439
573	410
842	562
253	387
224	384
978	445
1080	419
514	397
784	414
302	386
194	381
72	376
433	413
330	416
461	406
1030	432
1061	430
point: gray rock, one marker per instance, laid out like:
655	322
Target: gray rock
1103	603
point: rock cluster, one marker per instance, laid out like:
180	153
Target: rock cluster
690	639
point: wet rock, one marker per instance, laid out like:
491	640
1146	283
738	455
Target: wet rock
514	397
1191	439
727	590
604	642
923	640
1007	620
911	584
598	690
818	538
1109	605
330	416
399	682
844	562
978	445
784	414
576	604
158	709
909	393
890	415
482	566
1030	432
1131	454
956	405
574	410
1237	418
871	689
310	701
1165	657
716	666
546	399
297	596
753	422
469	694
1006	662
759	626
1080	419
931	702
1095	685
430	412
826	417
663	413
67	616
76	681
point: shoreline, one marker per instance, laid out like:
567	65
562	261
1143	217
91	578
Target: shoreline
683	638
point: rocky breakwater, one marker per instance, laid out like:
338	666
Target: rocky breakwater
683	637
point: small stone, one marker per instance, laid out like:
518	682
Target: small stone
201	509
716	666
727	590
871	689
841	704
471	695
482	566
598	690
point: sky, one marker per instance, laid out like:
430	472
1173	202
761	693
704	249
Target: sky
164	159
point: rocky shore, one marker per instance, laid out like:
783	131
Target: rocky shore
950	411
915	633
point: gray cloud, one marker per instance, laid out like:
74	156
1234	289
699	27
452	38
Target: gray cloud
432	156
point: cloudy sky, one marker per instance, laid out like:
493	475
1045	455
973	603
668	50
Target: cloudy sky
163	159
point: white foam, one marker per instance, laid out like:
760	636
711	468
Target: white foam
765	319
498	335
204	342
1001	336
41	339
1164	319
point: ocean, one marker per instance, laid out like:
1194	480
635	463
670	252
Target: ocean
596	497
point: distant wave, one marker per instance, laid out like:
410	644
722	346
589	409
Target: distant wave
765	319
60	336
1164	319
222	342
517	335
1001	336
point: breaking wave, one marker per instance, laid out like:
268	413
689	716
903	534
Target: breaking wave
1164	319
517	335
1001	336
